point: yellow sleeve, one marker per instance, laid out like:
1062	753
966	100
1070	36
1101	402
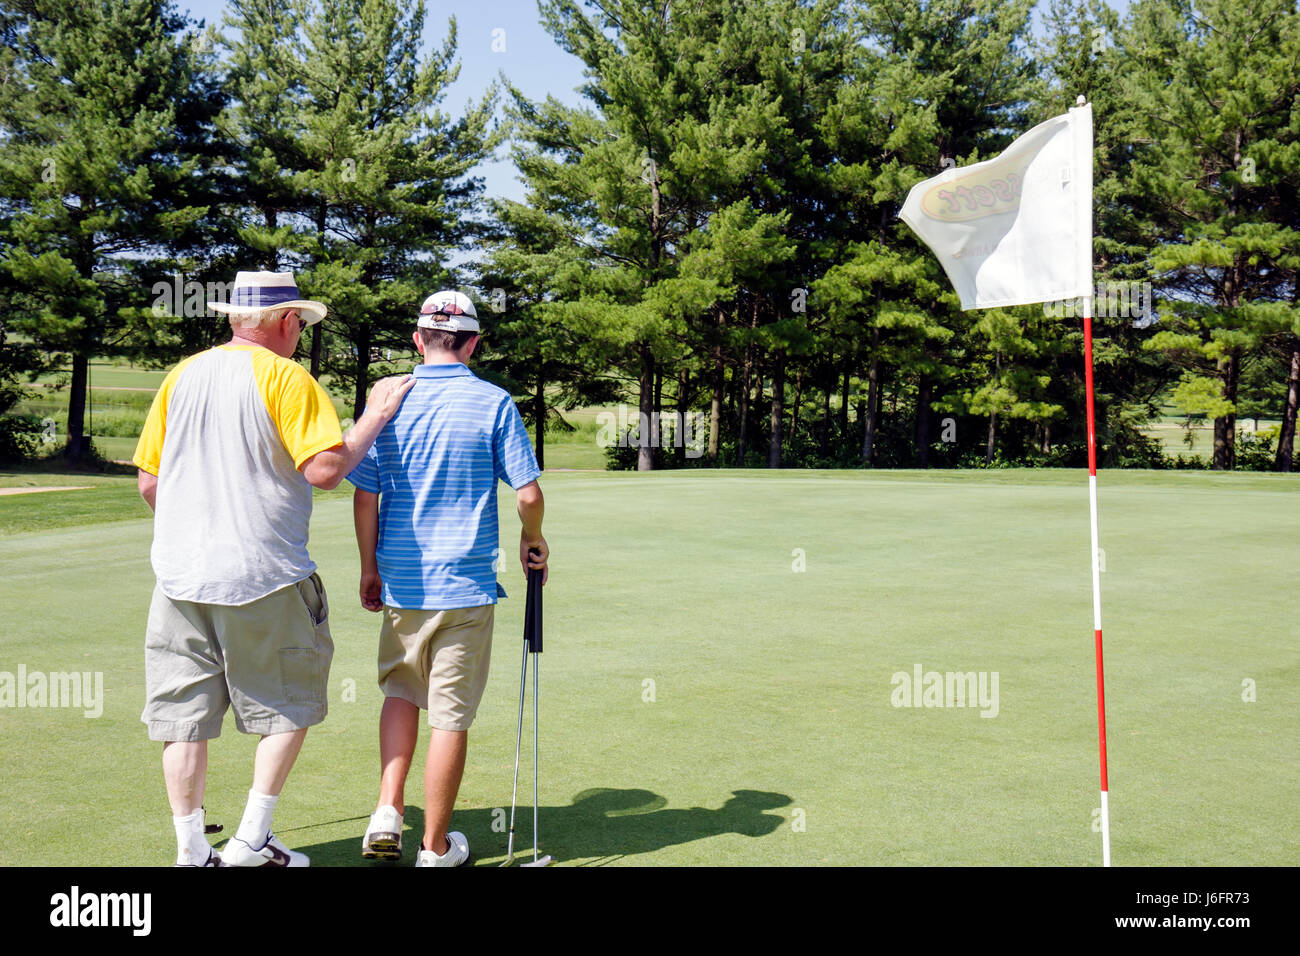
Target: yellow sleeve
300	408
148	450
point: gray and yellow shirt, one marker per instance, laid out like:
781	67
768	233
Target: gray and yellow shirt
225	436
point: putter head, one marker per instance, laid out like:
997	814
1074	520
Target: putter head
540	861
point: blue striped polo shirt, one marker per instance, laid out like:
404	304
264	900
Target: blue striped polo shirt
435	467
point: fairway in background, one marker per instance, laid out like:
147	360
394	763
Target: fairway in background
719	681
120	397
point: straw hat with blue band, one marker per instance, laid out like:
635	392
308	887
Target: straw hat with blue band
259	291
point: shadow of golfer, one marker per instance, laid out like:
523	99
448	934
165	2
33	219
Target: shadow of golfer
620	823
600	825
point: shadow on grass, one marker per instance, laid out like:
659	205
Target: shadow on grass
599	827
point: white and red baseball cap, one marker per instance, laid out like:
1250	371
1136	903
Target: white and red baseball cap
448	311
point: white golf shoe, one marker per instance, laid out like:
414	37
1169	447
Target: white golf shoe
272	853
383	839
190	860
457	852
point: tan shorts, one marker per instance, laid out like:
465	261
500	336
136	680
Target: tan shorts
437	660
269	660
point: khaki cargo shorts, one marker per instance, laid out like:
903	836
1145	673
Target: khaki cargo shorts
269	660
437	660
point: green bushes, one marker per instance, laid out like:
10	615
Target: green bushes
19	436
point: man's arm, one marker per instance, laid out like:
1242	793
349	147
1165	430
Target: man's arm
148	485
531	506
365	515
327	468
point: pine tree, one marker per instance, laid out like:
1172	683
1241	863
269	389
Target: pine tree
1081	55
105	172
628	197
703	139
387	175
934	85
529	271
1214	89
263	122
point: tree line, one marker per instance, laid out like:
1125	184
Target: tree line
713	232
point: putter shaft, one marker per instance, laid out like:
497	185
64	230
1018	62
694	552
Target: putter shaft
533	644
519	735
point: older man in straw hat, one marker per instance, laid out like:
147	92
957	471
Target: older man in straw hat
234	443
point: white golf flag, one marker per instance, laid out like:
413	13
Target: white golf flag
1015	229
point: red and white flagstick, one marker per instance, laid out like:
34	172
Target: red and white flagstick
1096	577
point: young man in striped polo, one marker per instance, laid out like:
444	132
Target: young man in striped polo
426	519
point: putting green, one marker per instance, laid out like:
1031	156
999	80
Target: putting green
723	679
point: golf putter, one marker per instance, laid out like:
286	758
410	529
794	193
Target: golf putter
533	644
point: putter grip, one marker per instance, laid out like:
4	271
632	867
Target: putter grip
533	609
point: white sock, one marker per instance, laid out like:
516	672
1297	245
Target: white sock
192	847
255	828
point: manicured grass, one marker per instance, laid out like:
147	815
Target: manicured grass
1169	429
705	703
1172	438
578	449
121	398
107	502
114	374
32	477
117	448
45	397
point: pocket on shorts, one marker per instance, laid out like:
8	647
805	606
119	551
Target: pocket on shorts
313	596
304	674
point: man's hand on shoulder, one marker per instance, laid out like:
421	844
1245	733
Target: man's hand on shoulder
386	395
327	468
